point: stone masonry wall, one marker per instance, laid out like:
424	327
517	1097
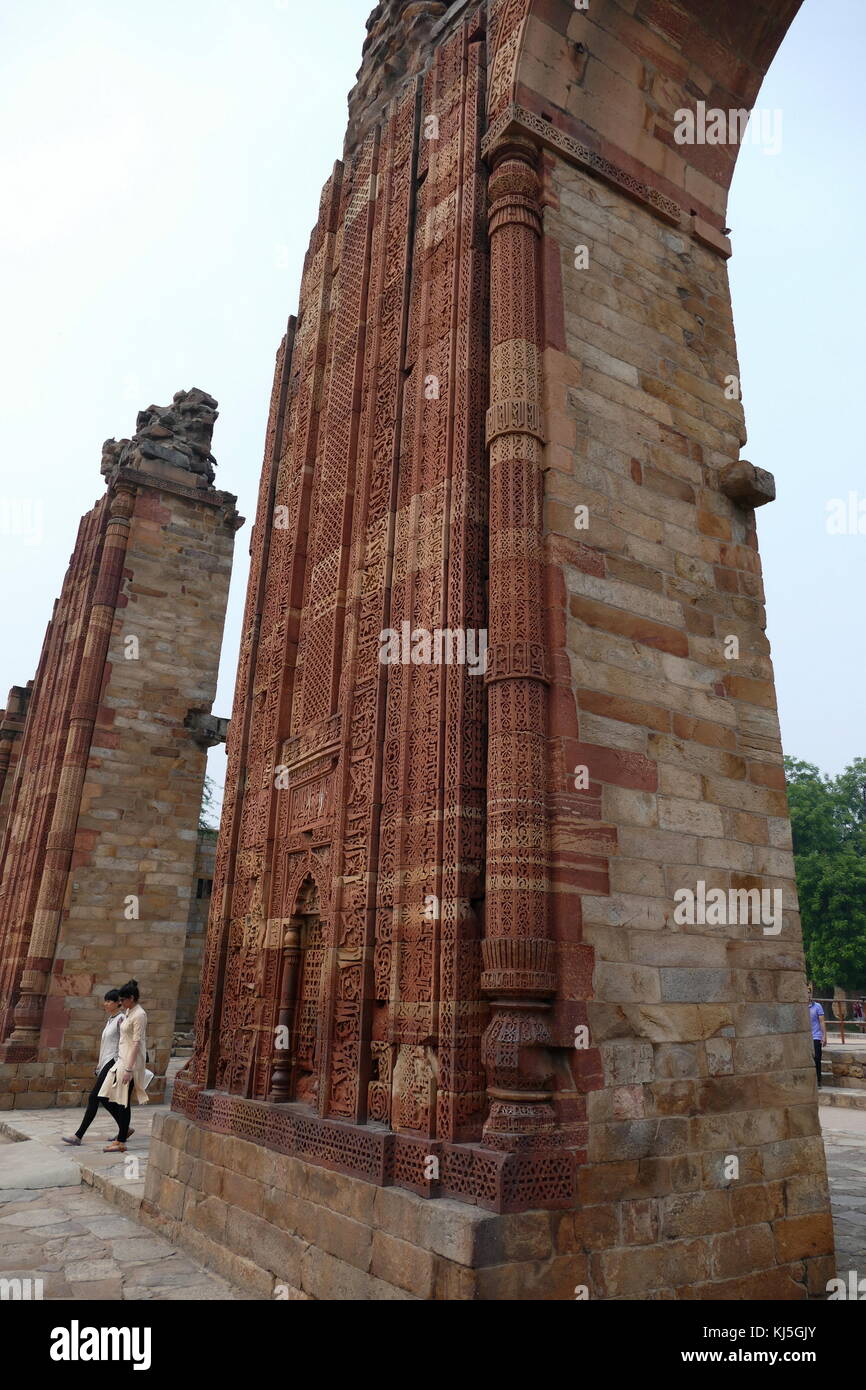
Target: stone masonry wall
11	728
701	1030
125	899
647	1099
32	788
137	831
195	933
287	1229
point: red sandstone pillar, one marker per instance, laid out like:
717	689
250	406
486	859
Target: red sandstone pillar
5	757
518	973
61	836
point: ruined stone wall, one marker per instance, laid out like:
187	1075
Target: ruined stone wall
11	728
199	907
131	748
462	911
33	792
138	825
700	1028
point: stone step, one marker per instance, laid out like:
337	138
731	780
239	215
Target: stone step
848	1097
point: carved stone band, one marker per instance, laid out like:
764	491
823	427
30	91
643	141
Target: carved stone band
518	660
514	417
518	965
517	119
514	210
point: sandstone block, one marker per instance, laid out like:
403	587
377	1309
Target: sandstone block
695	1214
403	1265
747	485
799	1237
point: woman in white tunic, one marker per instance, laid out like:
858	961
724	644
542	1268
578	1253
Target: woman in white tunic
127	1076
107	1054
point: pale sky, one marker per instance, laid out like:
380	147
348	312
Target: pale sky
161	168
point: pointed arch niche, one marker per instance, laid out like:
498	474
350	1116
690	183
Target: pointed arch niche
297	1039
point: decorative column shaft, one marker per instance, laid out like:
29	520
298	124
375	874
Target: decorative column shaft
6	741
281	1077
61	836
518	973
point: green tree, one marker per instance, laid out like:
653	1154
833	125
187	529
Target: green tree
828	821
208	819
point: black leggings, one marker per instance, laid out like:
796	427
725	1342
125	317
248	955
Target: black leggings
816	1048
93	1101
120	1113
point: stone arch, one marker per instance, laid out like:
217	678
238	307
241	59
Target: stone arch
602	83
296	1055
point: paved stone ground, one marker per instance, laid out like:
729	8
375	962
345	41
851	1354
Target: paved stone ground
82	1247
84	1242
845	1141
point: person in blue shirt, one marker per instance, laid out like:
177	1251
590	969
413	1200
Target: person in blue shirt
819	1031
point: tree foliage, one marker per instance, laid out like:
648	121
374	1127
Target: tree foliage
208	819
828	820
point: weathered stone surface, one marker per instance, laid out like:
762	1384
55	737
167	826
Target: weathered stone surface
747	485
121	876
538	329
31	1164
179	434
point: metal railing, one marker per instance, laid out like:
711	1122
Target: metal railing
851	1018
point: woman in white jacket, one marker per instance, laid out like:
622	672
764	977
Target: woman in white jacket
127	1076
107	1053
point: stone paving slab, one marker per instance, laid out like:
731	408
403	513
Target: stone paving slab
81	1248
83	1241
119	1177
31	1164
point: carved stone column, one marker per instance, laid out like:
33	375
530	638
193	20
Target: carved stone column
7	737
281	1077
518	973
12	721
61	836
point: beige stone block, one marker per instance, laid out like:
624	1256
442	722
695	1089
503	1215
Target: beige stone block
806	1195
627	1062
621	806
242	1192
695	1214
678	1022
630	597
758	1202
171	1197
623	983
801	1237
779	829
403	1265
727	854
36	1100
326	1278
677	782
690	817
640	877
687	1262
454	1282
553	1280
209	1217
520	1237
619	909
679	947
628	1273
662	845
